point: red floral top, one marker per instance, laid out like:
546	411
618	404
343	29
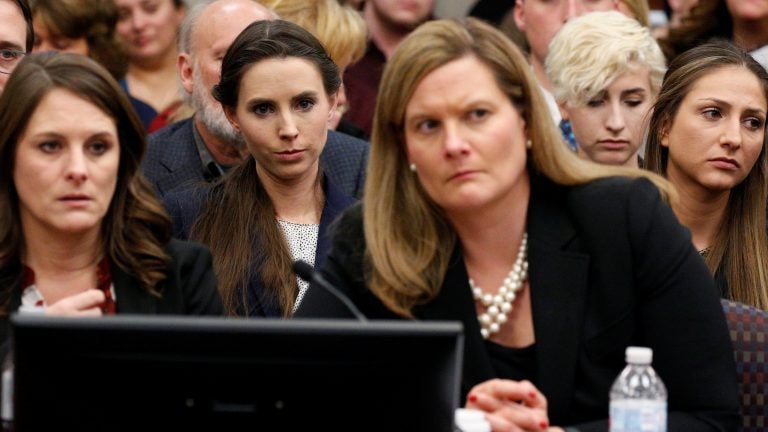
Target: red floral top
31	296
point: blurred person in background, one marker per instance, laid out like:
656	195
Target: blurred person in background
745	23
16	36
148	30
85	27
389	22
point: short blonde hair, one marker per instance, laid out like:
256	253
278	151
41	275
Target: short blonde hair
340	29
591	51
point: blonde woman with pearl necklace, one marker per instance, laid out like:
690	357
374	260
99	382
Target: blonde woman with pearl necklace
475	211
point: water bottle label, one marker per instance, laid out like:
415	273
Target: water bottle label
636	415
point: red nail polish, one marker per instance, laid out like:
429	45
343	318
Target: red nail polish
544	424
532	395
472	398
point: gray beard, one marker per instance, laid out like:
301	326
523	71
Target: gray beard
216	122
212	116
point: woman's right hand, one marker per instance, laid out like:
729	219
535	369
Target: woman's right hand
86	303
510	405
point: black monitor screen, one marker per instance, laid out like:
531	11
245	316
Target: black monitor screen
182	373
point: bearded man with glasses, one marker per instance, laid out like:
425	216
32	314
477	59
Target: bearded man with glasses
16	35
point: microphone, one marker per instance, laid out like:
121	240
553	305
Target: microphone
306	272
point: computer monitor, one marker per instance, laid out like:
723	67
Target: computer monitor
217	374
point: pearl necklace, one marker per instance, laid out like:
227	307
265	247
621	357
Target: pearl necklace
499	305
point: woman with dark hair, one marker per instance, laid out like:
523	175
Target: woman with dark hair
278	89
707	137
85	27
745	23
474	211
81	232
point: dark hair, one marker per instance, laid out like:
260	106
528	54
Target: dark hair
28	18
136	227
272	39
707	20
93	20
249	216
740	249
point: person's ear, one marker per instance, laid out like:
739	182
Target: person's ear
231	114
184	65
332	102
665	127
519	15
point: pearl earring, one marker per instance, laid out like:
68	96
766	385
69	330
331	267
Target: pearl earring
412	167
528	144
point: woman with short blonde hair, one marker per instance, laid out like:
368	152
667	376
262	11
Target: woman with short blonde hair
606	70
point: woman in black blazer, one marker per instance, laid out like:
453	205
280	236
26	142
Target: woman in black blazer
278	89
81	232
707	137
470	188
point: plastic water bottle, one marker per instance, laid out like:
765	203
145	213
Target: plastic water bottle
638	397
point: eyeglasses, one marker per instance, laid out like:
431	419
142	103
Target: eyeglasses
9	58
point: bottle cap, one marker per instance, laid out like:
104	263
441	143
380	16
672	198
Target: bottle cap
639	355
471	420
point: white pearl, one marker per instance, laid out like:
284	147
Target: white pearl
499	305
487	299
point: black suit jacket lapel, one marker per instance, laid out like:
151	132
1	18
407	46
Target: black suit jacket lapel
335	204
131	298
558	281
455	302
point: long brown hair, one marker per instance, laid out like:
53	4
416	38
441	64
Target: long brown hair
238	214
706	20
408	239
136	227
740	248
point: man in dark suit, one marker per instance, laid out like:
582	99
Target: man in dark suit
202	148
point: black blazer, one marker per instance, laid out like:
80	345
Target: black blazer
189	288
609	267
172	161
184	208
